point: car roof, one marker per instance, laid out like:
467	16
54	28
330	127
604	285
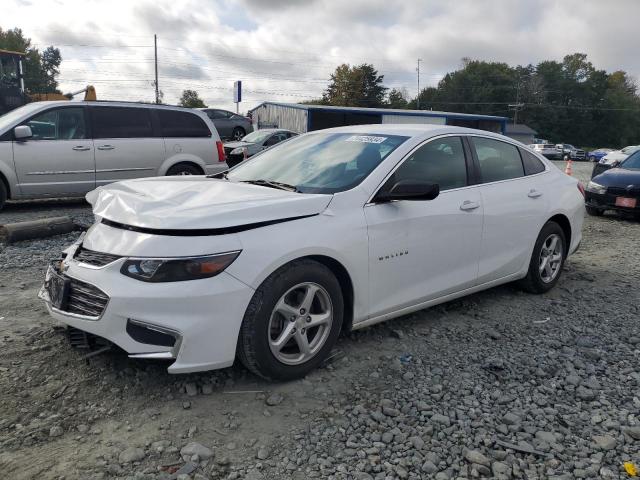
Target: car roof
110	103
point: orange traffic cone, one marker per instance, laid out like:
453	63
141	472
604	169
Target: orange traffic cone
568	169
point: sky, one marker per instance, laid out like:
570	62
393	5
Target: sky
285	50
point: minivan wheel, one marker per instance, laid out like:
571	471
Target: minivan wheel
547	260
184	169
3	194
238	133
292	321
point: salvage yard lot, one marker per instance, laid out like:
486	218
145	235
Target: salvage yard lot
438	394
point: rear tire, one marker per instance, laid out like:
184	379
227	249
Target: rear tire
238	134
3	194
551	244
276	320
595	212
184	169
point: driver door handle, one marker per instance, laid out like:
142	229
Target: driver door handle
469	205
81	148
533	193
106	147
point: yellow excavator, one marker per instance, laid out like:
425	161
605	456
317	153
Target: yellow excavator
12	89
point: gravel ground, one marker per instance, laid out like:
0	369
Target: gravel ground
500	384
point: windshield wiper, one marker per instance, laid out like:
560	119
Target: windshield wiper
272	184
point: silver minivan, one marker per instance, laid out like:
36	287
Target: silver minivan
55	149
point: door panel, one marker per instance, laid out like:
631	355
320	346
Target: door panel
125	158
422	250
125	145
514	207
513	212
58	159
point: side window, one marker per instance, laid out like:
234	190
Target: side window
498	160
59	124
121	122
532	164
182	124
440	161
272	140
215	114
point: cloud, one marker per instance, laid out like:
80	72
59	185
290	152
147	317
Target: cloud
286	50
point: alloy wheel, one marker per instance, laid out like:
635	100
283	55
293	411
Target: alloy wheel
550	260
300	323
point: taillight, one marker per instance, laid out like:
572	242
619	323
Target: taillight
221	155
581	188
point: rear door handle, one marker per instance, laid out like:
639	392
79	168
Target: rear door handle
106	147
81	148
534	193
469	205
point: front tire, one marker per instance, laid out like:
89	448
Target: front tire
292	321
547	260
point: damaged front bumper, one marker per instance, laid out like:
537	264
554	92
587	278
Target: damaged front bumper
194	323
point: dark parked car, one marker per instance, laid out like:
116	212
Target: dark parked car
229	124
253	143
616	189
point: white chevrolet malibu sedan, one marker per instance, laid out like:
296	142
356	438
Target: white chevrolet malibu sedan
335	229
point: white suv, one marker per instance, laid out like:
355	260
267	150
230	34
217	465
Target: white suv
55	149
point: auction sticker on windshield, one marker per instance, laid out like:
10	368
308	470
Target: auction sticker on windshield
365	139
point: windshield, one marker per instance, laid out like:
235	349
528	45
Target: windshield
630	149
319	162
257	137
632	162
8	119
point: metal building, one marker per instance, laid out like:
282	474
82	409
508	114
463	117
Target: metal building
520	132
306	118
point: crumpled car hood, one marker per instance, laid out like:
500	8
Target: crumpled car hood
196	202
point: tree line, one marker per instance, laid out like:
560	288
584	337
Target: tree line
569	101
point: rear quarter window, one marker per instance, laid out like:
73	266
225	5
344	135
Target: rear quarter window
182	124
532	164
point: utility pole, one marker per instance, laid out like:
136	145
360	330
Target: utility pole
516	106
155	56
418	97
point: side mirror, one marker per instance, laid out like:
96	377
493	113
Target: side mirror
23	132
408	190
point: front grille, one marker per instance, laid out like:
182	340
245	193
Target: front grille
85	299
91	257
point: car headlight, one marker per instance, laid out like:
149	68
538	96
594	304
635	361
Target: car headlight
594	187
177	269
238	151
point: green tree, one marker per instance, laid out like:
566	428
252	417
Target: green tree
397	98
357	86
190	99
40	69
